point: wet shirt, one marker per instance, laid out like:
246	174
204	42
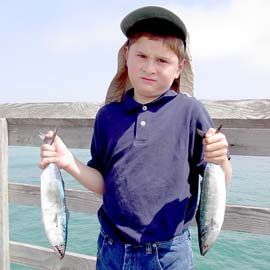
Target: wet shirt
150	157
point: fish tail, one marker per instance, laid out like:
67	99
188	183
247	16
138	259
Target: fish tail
61	250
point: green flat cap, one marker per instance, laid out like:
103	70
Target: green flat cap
154	20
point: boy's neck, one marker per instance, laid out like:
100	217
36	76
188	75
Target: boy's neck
145	100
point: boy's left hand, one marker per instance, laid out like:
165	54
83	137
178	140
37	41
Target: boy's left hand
215	147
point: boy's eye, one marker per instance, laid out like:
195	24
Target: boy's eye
163	61
141	55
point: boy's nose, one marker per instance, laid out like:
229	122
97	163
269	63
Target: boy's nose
149	66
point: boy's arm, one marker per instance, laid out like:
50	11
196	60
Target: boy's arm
59	153
87	176
216	151
226	166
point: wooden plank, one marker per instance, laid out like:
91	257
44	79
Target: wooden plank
75	122
46	259
52	110
233	113
220	109
77	133
238	109
243	123
247	219
83	201
248	142
239	218
4	218
77	200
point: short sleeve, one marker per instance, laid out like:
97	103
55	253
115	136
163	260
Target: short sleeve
201	120
96	146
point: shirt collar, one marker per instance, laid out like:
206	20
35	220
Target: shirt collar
131	104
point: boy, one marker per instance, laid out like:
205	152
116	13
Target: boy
146	154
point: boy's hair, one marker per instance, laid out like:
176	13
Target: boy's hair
173	43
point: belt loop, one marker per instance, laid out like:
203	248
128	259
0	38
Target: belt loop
148	248
106	237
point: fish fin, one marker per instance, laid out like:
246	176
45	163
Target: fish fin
54	134
47	140
219	128
41	135
201	133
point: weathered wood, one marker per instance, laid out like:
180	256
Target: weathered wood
77	200
243	123
77	133
76	120
247	219
238	109
4	222
50	110
238	218
219	109
46	259
248	142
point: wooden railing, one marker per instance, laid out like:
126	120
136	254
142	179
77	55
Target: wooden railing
246	125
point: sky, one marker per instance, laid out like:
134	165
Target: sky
62	51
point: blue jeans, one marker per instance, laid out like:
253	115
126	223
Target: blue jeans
174	254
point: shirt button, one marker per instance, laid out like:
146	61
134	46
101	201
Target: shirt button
143	123
144	108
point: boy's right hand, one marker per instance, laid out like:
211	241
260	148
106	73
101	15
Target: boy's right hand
56	153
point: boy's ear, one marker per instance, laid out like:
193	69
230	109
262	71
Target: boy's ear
180	67
126	53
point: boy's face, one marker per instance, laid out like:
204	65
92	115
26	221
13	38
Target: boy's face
152	68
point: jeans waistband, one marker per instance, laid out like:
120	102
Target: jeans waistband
111	240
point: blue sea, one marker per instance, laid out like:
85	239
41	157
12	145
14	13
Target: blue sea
233	250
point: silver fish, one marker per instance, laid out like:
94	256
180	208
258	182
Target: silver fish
53	205
211	211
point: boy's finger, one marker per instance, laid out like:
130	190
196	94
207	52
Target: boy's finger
216	160
216	145
42	164
46	161
48	154
47	147
214	138
210	132
215	152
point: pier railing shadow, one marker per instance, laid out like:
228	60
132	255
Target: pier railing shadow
246	124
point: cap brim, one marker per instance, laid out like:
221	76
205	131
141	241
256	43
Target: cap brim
155	20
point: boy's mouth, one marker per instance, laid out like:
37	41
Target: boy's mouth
146	79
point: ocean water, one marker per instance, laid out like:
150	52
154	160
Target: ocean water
233	250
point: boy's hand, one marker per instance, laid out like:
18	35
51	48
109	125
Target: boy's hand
57	153
215	147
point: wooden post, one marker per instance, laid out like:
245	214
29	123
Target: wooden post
4	224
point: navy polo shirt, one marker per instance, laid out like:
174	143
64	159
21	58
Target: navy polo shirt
150	157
